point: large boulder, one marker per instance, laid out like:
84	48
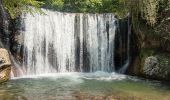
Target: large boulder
5	65
157	67
151	66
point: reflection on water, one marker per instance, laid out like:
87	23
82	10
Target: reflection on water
78	86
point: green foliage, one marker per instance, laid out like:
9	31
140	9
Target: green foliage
15	7
164	60
146	52
87	6
53	4
149	10
150	19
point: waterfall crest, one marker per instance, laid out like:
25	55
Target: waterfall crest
68	42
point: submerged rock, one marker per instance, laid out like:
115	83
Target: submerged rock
5	65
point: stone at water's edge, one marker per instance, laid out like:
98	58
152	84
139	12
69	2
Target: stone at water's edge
153	67
4	58
157	67
5	65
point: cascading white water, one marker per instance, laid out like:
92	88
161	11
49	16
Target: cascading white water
68	42
100	42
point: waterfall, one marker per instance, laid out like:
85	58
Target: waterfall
124	68
68	42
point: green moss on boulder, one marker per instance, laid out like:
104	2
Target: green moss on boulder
156	67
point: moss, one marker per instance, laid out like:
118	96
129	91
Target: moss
164	63
146	52
163	67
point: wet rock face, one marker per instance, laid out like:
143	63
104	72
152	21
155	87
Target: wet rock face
17	38
10	36
4	27
5	65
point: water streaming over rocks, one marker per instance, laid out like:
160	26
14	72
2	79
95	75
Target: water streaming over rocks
68	42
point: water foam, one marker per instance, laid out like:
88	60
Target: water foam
75	76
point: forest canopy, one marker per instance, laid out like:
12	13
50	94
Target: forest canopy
15	7
91	6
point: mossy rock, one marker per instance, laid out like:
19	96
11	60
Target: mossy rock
164	63
156	67
151	64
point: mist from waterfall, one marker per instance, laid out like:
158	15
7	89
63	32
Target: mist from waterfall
68	42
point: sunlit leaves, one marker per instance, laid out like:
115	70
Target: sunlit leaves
15	7
149	10
86	6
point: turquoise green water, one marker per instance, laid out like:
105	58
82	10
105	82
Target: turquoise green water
78	86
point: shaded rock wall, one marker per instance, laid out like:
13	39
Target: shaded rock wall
150	50
16	38
4	27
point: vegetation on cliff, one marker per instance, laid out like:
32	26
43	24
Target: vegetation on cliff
15	7
151	20
90	6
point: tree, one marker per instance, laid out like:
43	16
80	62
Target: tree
16	7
